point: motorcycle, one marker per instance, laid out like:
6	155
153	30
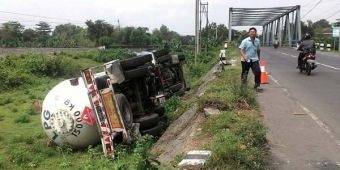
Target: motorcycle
276	44
308	62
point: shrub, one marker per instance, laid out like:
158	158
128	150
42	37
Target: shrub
20	155
12	78
2	162
24	118
5	100
229	152
53	66
112	54
31	111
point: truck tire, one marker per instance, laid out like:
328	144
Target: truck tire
155	131
166	58
148	121
134	62
163	118
161	53
125	110
176	87
160	110
142	71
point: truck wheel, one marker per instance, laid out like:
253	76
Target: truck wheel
148	121
138	72
163	118
161	53
125	110
164	59
155	131
160	110
134	62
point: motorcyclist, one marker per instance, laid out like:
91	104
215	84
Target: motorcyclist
307	44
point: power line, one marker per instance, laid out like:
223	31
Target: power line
306	3
312	8
39	16
320	14
333	14
34	21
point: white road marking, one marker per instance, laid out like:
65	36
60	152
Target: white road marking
328	66
277	82
294	56
319	122
283	53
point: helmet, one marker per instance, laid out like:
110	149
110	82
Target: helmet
307	36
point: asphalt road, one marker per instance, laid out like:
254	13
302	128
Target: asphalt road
302	112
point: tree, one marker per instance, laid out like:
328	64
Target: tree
307	28
140	36
43	33
321	24
69	35
164	35
29	37
209	34
125	37
11	33
98	29
336	24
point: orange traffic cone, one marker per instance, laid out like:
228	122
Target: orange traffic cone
264	74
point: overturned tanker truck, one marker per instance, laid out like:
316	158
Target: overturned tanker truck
110	102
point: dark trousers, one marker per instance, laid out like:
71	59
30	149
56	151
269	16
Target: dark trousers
255	67
300	59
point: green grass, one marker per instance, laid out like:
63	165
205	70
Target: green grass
238	134
205	61
23	118
23	143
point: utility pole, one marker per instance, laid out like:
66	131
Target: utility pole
197	38
338	34
216	32
204	13
118	25
229	25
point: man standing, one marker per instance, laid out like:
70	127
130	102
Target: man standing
250	56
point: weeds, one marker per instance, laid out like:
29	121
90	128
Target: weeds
178	158
31	111
30	151
23	118
112	54
4	100
172	104
239	136
2	162
20	155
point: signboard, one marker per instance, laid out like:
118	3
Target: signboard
336	31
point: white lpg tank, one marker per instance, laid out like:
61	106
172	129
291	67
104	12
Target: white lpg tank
67	116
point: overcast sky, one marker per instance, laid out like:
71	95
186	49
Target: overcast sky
178	15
